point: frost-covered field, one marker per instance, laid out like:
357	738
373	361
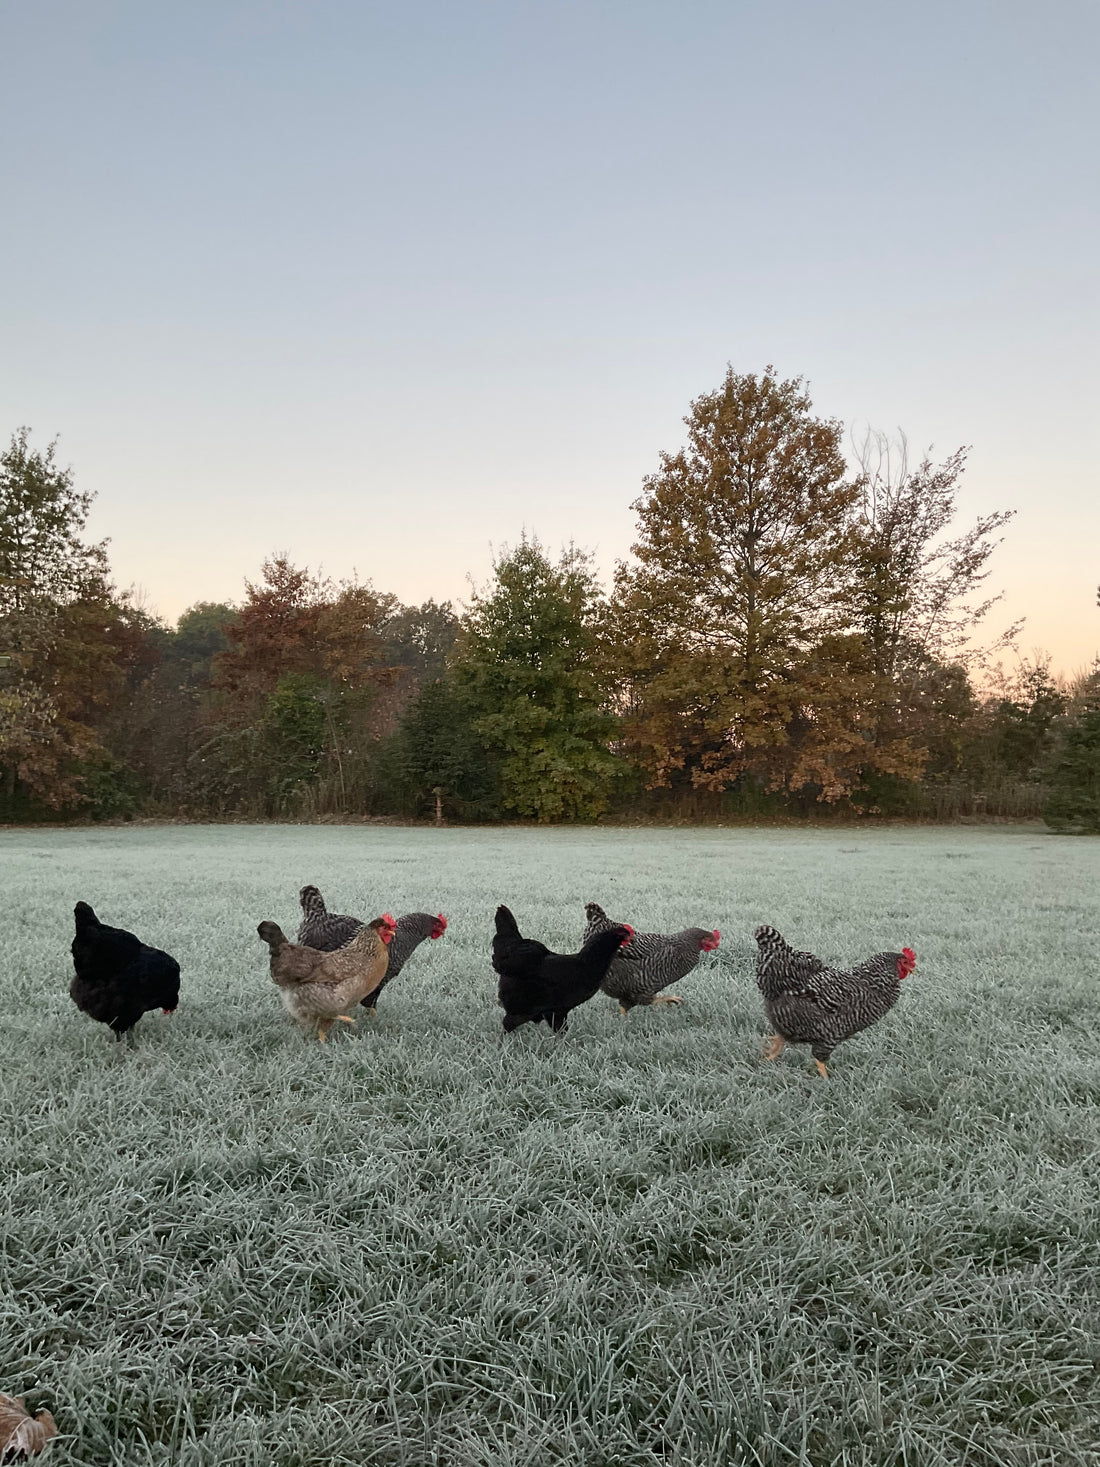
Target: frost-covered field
632	1245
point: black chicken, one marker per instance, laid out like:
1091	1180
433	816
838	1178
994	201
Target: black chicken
119	978
536	984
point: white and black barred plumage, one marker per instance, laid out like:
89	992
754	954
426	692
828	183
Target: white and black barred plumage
326	931
808	1002
650	961
320	928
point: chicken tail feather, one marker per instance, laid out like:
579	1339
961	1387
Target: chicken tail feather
272	934
85	917
507	926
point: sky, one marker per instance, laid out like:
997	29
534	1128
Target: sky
384	285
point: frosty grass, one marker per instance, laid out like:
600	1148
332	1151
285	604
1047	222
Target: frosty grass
632	1245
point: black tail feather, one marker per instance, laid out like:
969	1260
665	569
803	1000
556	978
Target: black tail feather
84	915
507	926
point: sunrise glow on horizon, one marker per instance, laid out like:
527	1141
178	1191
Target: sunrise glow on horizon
383	287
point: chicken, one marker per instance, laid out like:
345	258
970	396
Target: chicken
119	978
21	1434
321	928
318	987
810	1003
649	962
411	931
536	984
327	931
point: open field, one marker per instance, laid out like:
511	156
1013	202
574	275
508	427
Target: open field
630	1246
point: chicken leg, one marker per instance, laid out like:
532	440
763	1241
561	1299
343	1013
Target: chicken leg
821	1053
773	1046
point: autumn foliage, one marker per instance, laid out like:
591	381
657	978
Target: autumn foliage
797	627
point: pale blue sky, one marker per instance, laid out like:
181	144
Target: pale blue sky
377	284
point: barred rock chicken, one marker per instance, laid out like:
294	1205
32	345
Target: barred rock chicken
809	1003
317	987
321	928
536	984
411	931
649	962
118	977
328	931
21	1434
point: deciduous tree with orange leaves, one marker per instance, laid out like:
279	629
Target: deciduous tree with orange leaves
734	624
294	691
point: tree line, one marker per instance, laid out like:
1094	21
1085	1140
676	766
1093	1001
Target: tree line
794	632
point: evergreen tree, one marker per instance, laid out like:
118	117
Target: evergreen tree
525	664
294	736
437	748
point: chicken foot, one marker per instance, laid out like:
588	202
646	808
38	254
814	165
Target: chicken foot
663	998
325	1025
773	1047
821	1053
